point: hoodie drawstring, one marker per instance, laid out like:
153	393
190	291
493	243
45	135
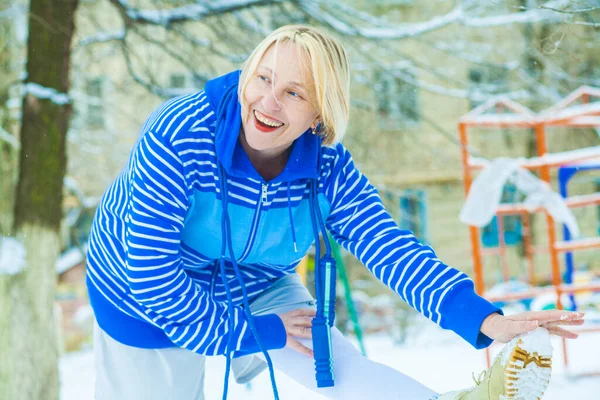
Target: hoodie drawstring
227	244
289	205
325	282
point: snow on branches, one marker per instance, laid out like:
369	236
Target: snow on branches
42	92
192	12
328	14
12	256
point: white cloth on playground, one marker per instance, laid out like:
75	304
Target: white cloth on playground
486	192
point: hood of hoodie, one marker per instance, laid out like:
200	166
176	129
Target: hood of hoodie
222	94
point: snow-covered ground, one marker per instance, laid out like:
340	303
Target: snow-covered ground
435	357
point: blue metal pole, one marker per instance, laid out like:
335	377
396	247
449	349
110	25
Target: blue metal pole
565	173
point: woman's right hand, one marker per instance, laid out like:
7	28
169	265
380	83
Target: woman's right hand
298	324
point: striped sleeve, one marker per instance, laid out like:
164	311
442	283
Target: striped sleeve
360	223
191	318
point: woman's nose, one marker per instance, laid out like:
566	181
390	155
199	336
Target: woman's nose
271	102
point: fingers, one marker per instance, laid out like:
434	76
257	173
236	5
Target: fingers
557	323
303	321
302	312
299	347
298	322
299	331
566	316
555	330
548	316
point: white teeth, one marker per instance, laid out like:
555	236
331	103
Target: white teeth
267	121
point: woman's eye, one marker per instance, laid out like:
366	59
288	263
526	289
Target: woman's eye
294	94
263	78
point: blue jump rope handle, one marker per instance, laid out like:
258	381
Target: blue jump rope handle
323	354
322	323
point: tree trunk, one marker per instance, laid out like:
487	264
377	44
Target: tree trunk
7	184
8	152
28	339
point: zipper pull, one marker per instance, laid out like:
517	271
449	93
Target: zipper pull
264	193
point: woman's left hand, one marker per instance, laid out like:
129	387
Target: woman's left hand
504	328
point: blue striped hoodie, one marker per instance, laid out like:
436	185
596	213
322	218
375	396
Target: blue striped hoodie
152	268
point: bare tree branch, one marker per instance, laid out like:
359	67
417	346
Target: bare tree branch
8	138
460	51
585	23
570	11
151	85
317	10
192	12
513	18
354	25
317	13
383	31
168	50
209	45
102	37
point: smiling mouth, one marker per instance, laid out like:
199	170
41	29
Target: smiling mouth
266	124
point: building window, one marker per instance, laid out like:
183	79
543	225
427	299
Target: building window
198	81
485	81
397	100
413	213
177	81
512	223
95	108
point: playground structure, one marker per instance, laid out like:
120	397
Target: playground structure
510	114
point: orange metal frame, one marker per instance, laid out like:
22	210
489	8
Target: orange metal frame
566	114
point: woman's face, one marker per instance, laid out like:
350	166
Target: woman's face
279	110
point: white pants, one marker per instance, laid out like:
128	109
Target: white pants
130	373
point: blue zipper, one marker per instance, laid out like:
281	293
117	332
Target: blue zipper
263	199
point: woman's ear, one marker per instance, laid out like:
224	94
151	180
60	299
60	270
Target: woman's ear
315	125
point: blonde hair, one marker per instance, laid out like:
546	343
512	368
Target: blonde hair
325	62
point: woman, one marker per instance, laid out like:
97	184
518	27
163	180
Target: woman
194	246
